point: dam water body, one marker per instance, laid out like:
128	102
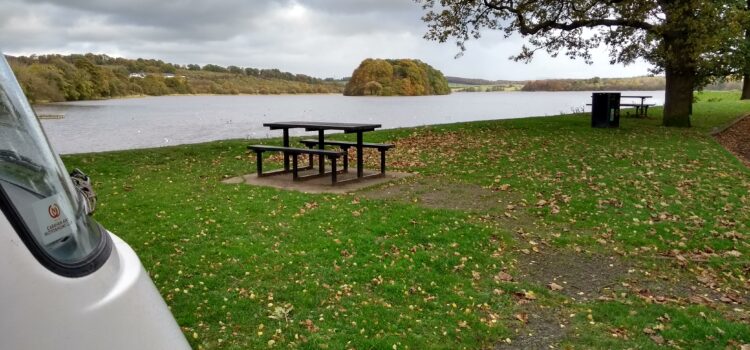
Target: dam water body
120	124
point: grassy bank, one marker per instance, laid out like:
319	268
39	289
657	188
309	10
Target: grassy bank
515	234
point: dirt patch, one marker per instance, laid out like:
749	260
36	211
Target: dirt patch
736	139
545	328
581	276
439	193
669	283
319	185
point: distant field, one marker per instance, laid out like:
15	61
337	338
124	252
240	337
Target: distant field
484	88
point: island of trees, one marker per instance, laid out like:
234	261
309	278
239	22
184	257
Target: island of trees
399	77
54	78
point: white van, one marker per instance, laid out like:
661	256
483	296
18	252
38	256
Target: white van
65	281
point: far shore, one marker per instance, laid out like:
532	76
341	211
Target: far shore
326	93
201	94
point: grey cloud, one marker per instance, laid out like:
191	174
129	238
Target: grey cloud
381	7
219	19
315	37
172	14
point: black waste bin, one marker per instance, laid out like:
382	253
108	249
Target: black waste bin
605	110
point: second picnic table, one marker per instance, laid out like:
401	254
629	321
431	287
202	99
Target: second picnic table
321	127
641	109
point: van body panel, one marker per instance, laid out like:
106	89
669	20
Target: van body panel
116	307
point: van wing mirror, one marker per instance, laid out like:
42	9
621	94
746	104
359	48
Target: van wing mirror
84	187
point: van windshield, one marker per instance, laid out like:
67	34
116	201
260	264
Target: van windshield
36	183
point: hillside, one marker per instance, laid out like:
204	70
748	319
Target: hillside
474	81
596	84
644	83
54	78
401	77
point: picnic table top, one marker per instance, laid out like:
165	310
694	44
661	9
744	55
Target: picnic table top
635	96
310	126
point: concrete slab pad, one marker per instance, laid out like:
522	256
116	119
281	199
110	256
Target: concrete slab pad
318	185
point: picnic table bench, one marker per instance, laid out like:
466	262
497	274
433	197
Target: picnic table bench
345	145
294	153
641	109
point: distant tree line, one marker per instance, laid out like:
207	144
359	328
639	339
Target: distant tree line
259	73
596	84
645	83
401	77
54	78
471	81
486	88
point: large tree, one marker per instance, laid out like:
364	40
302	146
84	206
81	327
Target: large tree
746	68
687	40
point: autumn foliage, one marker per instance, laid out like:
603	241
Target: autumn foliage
402	77
55	78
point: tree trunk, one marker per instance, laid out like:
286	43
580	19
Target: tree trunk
678	98
746	75
680	63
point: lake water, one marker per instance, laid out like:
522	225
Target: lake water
94	126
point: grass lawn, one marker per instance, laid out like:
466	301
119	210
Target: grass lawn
515	234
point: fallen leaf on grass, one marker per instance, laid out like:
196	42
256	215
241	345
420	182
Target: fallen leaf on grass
503	276
733	253
554	286
681	259
281	313
526	295
707	279
699	299
310	325
523	317
657	339
730	299
619	333
476	275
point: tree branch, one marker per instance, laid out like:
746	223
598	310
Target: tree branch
526	29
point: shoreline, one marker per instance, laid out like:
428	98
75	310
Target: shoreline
331	93
201	94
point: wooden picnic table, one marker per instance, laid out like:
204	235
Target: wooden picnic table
321	127
641	109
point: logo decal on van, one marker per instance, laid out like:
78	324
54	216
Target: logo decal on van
54	218
54	211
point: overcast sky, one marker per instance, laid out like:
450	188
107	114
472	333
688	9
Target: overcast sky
322	38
